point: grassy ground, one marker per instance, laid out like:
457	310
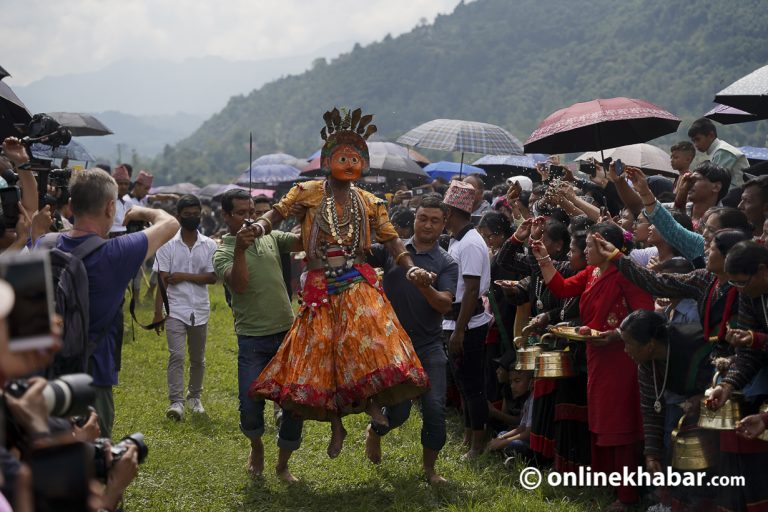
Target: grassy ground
199	464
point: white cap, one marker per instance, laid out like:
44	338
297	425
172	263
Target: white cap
524	181
6	298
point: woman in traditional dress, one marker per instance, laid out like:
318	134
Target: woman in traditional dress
613	398
346	351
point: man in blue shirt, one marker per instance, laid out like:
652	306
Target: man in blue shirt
420	310
93	197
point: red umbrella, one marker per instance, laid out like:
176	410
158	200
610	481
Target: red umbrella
599	124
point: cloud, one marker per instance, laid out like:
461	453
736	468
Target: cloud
56	38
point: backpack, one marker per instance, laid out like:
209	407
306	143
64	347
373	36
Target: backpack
71	297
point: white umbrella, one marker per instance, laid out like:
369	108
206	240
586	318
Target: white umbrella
644	156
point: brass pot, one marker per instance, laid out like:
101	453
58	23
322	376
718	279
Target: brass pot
526	358
555	364
691	451
724	418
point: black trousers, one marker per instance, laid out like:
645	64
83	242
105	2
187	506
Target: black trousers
469	376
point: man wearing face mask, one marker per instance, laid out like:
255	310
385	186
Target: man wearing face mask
185	266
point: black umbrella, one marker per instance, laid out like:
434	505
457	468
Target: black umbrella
80	125
724	114
3	73
749	93
12	112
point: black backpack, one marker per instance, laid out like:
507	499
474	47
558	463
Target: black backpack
71	292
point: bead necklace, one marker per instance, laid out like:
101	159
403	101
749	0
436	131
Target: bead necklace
657	402
353	231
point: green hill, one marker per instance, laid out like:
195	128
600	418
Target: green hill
507	62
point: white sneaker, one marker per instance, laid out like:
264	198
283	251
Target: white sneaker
195	405
175	411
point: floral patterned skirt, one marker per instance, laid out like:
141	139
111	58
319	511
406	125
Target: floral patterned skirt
339	354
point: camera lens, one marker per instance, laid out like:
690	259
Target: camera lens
70	395
137	439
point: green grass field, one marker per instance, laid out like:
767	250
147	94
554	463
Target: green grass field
199	463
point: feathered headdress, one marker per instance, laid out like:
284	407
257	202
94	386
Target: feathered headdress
353	129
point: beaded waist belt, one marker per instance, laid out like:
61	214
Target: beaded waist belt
333	261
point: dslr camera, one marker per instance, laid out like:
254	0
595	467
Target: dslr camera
101	467
66	396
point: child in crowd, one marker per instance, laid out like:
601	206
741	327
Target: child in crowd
515	441
505	414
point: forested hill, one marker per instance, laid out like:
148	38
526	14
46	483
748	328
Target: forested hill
508	62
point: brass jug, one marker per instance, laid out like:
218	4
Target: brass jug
526	358
553	365
724	418
691	451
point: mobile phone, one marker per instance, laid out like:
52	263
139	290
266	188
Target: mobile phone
29	322
588	168
418	192
556	172
10	198
408	194
618	167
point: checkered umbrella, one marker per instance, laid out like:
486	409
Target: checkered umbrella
749	93
464	136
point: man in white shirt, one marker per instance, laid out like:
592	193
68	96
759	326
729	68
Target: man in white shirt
467	324
185	266
703	135
140	193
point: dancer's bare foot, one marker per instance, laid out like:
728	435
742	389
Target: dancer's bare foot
255	466
433	478
377	415
372	445
467	441
338	433
284	475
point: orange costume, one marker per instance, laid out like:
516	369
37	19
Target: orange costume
346	344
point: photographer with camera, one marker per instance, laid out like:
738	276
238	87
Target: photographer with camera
110	267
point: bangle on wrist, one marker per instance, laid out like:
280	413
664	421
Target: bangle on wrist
514	237
399	256
269	224
545	258
263	231
410	270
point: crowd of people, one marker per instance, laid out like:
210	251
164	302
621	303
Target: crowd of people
346	300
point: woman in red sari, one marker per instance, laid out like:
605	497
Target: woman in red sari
613	396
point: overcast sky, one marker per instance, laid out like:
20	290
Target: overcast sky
53	38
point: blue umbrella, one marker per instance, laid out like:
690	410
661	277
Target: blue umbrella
753	153
73	151
448	170
269	174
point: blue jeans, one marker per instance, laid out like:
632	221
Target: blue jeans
253	355
434	361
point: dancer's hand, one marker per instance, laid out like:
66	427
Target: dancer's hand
420	277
